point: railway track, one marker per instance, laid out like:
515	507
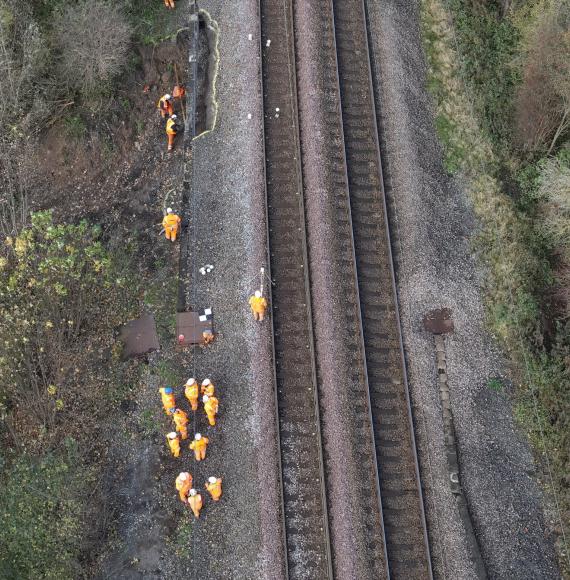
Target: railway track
304	499
397	545
400	487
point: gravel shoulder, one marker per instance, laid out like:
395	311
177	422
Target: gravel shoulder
433	224
240	537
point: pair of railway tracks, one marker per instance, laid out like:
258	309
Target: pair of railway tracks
382	406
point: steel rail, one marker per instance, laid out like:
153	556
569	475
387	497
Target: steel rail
300	441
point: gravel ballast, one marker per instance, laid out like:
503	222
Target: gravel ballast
241	536
433	224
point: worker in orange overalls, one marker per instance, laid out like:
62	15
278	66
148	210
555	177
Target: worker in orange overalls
168	399
207	388
214	486
207	337
165	106
191	393
169	3
170	223
183	485
258	305
180	420
195	502
199	446
174	443
211	408
171	131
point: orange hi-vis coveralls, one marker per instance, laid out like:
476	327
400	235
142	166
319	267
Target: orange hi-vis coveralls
195	503
199	448
215	488
258	305
171	131
207	389
168	400
184	485
174	443
165	107
169	3
170	223
211	408
191	393
181	420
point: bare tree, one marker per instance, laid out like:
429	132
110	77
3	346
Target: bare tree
543	99
93	39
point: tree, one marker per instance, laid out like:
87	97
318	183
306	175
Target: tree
543	99
93	39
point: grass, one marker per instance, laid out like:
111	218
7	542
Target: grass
75	127
472	78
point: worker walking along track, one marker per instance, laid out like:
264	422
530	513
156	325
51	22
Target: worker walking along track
305	512
400	489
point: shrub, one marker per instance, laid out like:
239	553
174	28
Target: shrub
543	98
93	38
41	516
60	291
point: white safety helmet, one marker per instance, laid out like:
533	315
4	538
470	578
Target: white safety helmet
205	398
184	476
212	479
193	491
172	435
198	436
167	97
190	381
206	382
258	293
173	116
169	210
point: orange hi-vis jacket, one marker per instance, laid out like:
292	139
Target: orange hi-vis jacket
215	489
174	445
183	486
207	389
171	221
191	393
258	304
211	408
168	400
165	106
195	503
199	448
171	127
181	420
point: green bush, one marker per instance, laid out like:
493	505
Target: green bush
488	45
41	517
60	290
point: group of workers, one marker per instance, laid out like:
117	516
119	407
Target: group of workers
166	107
199	444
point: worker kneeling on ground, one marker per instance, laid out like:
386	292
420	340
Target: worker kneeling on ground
199	446
258	305
214	487
180	420
174	443
168	399
211	408
165	106
183	485
191	393
171	223
171	131
207	388
195	502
